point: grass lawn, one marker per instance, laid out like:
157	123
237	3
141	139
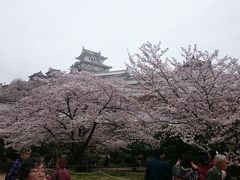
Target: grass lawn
100	176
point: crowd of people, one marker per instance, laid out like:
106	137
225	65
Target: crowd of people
27	168
185	169
214	168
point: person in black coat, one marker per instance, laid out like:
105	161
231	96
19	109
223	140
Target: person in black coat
158	169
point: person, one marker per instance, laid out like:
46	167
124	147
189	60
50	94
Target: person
185	169
32	169
60	173
13	171
157	169
215	173
233	170
211	155
202	168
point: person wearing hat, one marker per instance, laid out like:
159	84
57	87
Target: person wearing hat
13	171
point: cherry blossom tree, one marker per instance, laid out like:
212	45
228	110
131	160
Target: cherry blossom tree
195	98
74	111
18	88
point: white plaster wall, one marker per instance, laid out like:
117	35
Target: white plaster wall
4	106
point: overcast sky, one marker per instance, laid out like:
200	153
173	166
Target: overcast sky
38	34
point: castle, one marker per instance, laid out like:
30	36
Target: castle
87	61
92	62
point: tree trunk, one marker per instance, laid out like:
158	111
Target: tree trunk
78	149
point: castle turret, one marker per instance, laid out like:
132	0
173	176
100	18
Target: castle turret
90	61
37	76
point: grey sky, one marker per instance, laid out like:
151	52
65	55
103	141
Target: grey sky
38	34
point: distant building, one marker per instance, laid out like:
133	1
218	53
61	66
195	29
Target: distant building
50	74
87	61
93	62
196	63
5	103
120	74
53	73
90	61
37	76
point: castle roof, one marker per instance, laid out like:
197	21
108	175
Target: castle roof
51	70
90	61
38	74
95	63
86	52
